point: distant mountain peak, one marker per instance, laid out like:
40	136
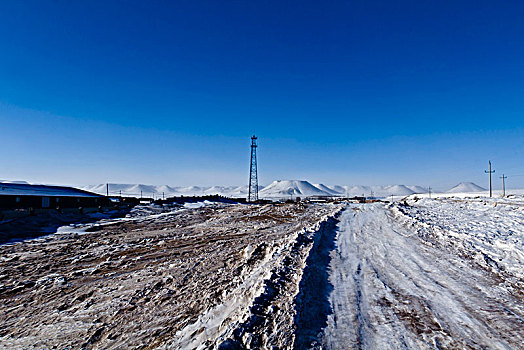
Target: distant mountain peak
282	188
466	187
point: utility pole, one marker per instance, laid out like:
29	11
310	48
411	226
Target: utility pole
163	198
140	193
489	172
503	185
429	191
252	195
107	190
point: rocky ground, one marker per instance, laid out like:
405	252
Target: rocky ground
215	276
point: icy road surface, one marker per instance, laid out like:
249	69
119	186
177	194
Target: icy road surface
392	289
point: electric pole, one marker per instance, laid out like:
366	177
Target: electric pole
503	185
252	195
489	172
107	190
429	191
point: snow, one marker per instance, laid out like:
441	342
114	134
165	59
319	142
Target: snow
379	191
397	190
197	204
280	189
15	182
418	189
417	283
440	273
188	279
331	190
490	230
23	189
337	188
283	188
466	187
168	191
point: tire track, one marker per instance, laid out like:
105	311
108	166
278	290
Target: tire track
393	291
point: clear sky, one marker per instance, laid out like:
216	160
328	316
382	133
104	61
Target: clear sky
340	92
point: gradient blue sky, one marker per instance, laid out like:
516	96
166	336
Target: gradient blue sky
339	92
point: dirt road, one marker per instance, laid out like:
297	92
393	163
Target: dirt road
391	290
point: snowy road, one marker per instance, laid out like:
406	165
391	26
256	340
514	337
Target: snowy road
391	290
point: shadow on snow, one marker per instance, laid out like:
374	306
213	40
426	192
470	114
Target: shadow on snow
312	302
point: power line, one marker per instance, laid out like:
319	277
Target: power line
489	172
503	185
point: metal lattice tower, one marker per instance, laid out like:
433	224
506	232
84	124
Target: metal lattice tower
253	177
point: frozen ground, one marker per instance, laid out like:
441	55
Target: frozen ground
488	231
190	278
419	273
441	273
400	282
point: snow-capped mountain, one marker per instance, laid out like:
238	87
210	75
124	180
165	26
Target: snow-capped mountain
167	191
279	189
466	187
283	188
333	190
418	189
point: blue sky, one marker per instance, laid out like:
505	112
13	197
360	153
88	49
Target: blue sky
340	92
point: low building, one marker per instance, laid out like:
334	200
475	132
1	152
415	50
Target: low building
14	196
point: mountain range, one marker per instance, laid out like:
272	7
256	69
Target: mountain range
277	189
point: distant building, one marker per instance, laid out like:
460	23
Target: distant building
15	196
320	199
